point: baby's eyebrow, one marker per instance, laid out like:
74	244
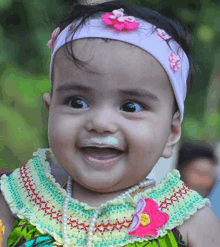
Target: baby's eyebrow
142	92
73	87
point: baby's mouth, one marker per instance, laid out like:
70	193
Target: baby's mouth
101	153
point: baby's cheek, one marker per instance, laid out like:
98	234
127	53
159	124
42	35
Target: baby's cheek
146	138
144	131
60	130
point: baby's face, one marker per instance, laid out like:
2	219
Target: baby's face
144	126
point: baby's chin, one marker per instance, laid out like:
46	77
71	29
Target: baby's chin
95	176
101	185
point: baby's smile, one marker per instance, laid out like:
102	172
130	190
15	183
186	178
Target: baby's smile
102	158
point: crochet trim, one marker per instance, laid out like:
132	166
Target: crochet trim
33	194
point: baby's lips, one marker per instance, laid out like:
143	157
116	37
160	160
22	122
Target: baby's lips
101	153
103	143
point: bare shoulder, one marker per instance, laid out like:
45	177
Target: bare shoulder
202	229
7	219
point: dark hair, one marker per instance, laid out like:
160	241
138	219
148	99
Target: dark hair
172	27
195	150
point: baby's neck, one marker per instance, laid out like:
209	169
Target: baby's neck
93	199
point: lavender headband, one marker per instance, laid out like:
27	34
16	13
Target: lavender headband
118	26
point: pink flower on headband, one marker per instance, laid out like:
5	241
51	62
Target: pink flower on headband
54	35
163	34
147	218
174	60
119	21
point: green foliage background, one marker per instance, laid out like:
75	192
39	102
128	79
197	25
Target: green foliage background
25	28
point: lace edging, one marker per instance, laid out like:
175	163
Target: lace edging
196	207
7	195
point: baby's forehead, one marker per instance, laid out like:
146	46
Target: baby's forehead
111	55
116	47
87	46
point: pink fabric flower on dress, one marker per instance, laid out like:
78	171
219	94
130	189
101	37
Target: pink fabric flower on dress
54	35
163	34
147	218
174	60
119	21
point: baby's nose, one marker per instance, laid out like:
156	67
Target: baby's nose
103	120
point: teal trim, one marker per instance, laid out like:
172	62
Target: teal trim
173	181
74	206
14	192
117	208
186	207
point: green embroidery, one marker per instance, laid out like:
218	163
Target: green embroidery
14	192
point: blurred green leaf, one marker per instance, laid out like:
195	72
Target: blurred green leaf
211	17
191	126
213	119
187	15
5	4
3	53
205	33
23	87
17	134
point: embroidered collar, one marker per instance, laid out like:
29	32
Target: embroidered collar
33	194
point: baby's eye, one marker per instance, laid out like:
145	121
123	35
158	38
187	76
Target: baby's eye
132	105
79	103
75	102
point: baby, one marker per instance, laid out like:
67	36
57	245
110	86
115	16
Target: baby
119	76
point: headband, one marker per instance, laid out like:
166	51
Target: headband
134	31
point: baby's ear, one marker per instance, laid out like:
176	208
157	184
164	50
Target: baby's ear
47	100
174	136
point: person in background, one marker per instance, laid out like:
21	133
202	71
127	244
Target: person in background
197	164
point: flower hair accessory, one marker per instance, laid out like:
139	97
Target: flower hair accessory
163	34
171	57
147	218
174	60
119	21
54	35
